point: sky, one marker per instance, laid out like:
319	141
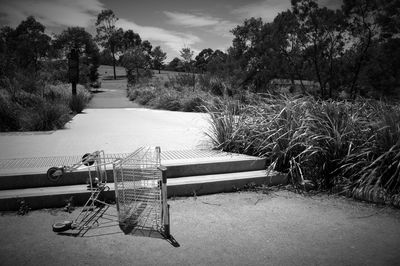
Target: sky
171	24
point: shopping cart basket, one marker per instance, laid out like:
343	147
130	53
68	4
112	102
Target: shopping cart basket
141	192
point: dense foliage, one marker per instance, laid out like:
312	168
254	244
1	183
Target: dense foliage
314	50
348	147
34	72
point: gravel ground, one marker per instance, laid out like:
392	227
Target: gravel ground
243	228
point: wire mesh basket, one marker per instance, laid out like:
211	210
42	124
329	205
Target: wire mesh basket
140	191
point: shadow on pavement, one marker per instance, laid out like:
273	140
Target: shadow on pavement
104	223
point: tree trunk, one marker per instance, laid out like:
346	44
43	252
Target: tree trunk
74	88
115	74
353	91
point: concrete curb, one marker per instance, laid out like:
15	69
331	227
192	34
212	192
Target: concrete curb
51	197
32	178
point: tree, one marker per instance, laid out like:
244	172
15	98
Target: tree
158	58
203	58
31	43
131	39
107	34
8	62
187	56
216	62
78	40
106	57
175	65
134	59
321	34
361	15
244	61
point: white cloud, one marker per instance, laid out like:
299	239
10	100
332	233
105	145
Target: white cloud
174	40
190	20
210	24
52	13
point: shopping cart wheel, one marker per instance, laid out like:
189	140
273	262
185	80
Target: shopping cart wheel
87	161
54	173
62	226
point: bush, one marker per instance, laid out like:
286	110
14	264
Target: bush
181	80
49	116
8	113
77	103
194	104
162	95
145	95
27	100
169	102
352	148
49	110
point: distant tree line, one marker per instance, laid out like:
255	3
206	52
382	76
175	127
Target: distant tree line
29	55
348	52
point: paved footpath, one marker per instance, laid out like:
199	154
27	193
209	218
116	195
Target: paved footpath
112	95
113	124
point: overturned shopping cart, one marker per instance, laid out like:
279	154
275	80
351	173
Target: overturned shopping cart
140	191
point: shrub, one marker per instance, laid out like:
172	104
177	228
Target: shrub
132	93
8	113
48	116
47	110
27	100
352	148
181	80
168	102
145	95
77	103
193	104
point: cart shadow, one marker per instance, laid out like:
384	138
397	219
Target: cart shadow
144	232
106	224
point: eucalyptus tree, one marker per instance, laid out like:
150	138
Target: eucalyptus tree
108	36
158	58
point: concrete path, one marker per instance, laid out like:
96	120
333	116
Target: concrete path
247	228
116	130
111	130
112	94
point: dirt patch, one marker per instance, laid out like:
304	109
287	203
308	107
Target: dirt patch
243	228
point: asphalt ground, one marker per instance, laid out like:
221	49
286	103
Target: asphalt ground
243	228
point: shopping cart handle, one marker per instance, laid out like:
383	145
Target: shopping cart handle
162	168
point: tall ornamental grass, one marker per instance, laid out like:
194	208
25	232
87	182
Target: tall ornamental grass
346	147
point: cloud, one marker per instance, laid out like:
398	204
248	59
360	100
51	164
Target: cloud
190	20
174	40
210	24
52	13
